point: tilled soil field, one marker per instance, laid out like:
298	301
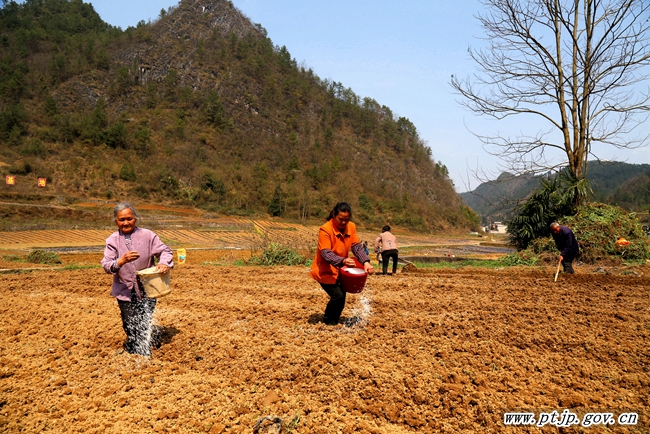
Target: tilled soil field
427	351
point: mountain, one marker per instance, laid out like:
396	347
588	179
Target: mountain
493	200
200	108
612	182
609	177
633	194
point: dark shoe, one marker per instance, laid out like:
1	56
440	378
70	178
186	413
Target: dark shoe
329	322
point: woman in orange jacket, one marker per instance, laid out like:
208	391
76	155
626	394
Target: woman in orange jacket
335	240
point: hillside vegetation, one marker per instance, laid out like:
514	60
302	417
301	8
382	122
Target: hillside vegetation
200	108
597	227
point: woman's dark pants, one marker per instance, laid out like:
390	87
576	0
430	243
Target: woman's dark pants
335	305
136	321
384	260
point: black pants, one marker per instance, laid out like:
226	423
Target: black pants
335	305
136	321
385	256
567	264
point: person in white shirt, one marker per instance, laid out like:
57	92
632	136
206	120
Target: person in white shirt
388	245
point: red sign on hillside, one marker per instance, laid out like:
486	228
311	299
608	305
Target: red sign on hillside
42	182
10	180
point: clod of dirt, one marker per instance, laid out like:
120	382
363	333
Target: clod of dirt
268	425
271	397
409	268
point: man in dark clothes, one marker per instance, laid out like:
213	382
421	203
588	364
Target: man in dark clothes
567	245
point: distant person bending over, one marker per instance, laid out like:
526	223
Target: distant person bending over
567	244
127	251
365	248
388	244
335	240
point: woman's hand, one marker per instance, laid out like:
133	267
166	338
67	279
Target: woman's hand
349	262
129	256
162	268
369	269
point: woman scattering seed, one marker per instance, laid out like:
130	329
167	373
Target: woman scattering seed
127	251
335	240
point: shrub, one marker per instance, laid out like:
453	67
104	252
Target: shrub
33	147
143	140
12	118
127	172
21	168
214	111
519	258
211	182
277	254
43	257
275	207
114	136
13	258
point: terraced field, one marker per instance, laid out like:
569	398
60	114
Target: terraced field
226	234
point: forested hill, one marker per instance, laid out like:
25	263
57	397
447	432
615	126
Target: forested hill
201	108
613	182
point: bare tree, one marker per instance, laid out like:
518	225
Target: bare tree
579	65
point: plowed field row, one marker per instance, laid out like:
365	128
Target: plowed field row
190	238
240	234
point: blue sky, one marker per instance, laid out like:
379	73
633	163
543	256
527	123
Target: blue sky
402	54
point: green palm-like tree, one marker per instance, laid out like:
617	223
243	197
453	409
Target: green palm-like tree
558	196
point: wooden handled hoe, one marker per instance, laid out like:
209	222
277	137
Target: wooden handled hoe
558	270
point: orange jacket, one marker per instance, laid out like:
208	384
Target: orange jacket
329	237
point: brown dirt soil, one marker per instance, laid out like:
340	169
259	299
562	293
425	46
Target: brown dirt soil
425	351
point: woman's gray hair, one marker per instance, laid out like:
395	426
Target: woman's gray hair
124	205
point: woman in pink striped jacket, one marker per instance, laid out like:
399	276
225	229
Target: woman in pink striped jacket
127	251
